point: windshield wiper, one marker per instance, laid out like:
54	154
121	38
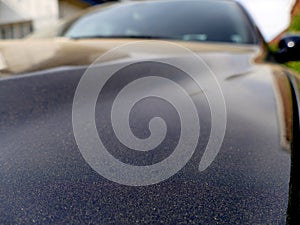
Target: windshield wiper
125	36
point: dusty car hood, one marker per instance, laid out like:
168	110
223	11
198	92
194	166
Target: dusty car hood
45	179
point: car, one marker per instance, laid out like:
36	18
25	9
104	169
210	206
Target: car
150	112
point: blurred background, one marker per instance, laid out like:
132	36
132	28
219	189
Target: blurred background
18	18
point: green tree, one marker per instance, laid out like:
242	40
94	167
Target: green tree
295	27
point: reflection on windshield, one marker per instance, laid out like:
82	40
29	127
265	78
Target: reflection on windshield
193	21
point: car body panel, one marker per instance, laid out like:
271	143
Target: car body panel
35	55
44	178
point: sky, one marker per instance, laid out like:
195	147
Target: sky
271	16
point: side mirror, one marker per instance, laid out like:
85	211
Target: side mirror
288	49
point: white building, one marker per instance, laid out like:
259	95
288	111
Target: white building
20	17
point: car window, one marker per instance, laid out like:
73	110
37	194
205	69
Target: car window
220	21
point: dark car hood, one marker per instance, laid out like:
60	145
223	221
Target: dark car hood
45	179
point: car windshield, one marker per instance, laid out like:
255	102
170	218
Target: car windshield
215	21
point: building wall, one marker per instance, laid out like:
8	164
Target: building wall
35	13
19	17
8	14
15	30
68	8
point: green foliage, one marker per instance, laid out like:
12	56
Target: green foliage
294	65
295	23
295	26
273	47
